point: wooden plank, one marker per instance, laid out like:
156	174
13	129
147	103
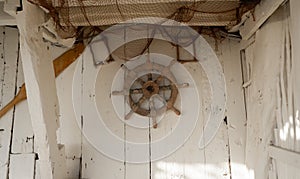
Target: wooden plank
10	7
73	168
261	94
217	155
22	166
284	155
189	161
246	43
41	92
295	44
23	136
262	12
3	169
6	19
91	157
236	114
8	74
69	133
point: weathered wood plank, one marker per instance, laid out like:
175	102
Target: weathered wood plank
22	166
91	157
5	19
235	113
73	168
9	60
262	94
295	44
23	136
262	12
189	161
217	155
284	155
69	133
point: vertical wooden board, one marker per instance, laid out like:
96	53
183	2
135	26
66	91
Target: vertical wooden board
189	161
23	136
22	166
73	168
235	108
37	170
3	150
173	165
247	67
137	171
2	34
217	154
139	136
96	165
217	164
10	54
69	131
261	100
295	41
285	170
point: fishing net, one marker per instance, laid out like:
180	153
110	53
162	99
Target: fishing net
71	14
108	12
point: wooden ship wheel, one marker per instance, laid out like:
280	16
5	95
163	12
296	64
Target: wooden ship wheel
150	94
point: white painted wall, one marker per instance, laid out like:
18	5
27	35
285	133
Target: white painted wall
189	161
270	67
17	158
240	149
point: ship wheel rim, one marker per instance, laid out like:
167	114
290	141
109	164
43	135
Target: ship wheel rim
169	103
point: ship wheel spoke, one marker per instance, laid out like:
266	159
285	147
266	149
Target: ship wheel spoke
136	91
119	93
153	112
140	81
183	85
128	115
175	110
159	79
165	88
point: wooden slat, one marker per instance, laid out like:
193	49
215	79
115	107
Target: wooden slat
261	99
284	155
22	166
262	12
236	115
92	158
9	56
6	19
73	168
22	141
295	44
189	161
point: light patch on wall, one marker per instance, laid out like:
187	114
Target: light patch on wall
297	125
288	130
198	170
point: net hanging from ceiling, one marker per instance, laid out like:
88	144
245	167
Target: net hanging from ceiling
108	12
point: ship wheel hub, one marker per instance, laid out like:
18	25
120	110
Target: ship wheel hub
150	88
